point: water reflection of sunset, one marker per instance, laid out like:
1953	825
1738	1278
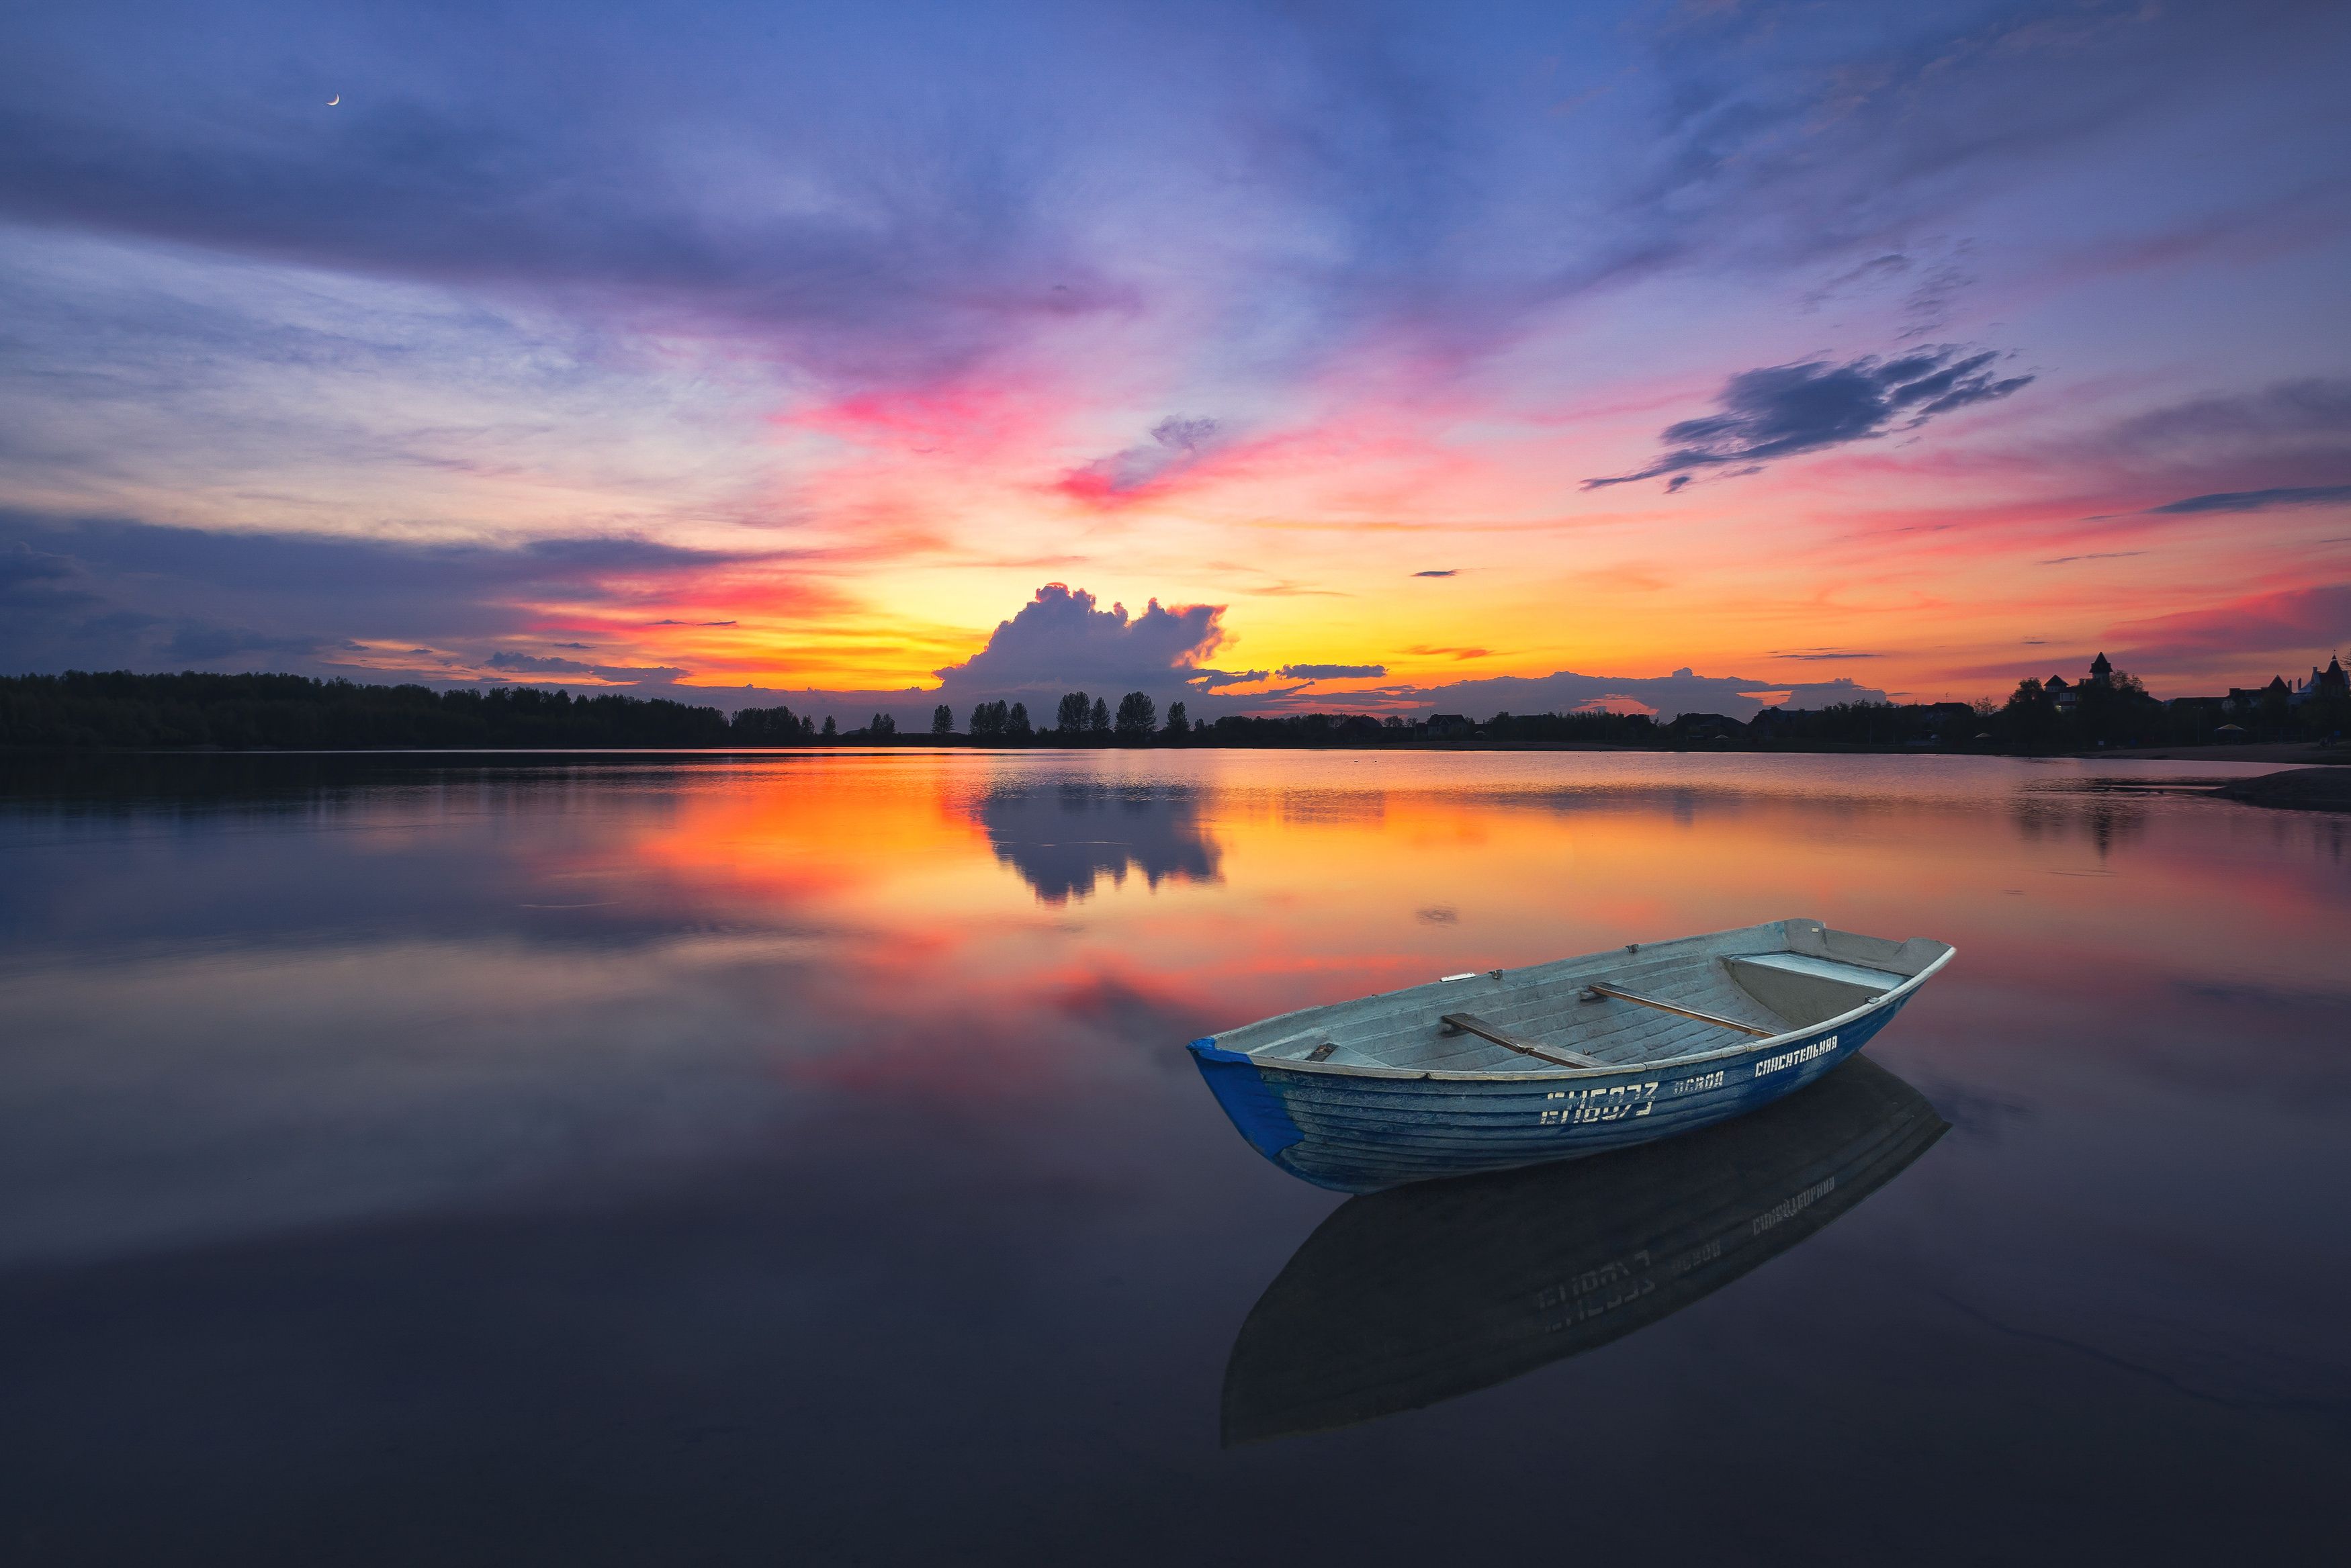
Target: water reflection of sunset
1273	881
802	1103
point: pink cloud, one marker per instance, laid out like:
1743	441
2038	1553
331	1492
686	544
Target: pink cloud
2302	622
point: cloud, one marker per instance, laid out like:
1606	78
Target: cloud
2092	555
1823	654
513	663
527	664
1177	444
2299	622
209	644
2311	412
1447	572
1217	679
1330	672
1565	690
21	564
114	593
1781	410
1061	639
2262	500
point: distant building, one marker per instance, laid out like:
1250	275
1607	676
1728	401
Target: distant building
2068	696
2328	682
2249	699
1447	726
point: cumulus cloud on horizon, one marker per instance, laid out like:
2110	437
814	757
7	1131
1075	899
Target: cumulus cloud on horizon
1063	630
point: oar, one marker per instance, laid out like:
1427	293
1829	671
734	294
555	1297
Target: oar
1714	1018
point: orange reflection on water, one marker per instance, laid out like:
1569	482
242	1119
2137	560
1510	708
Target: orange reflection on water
1212	888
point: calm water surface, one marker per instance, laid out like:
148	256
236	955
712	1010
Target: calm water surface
795	1160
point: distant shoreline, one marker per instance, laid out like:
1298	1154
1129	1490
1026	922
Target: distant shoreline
2302	753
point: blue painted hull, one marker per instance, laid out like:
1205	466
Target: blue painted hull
1356	1132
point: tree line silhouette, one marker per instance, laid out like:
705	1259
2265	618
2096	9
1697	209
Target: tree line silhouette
82	710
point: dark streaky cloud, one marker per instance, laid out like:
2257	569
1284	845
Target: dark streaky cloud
1330	672
1781	410
118	594
2260	500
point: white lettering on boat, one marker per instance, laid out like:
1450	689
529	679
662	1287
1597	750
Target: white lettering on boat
1611	1103
1797	1057
1792	1207
1698	1257
1698	1085
1595	1292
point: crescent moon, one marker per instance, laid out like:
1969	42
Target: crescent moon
334	100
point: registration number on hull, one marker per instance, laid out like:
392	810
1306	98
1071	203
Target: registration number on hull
1609	1105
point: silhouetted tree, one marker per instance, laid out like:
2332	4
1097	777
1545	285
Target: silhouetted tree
2031	714
988	721
941	720
1016	723
1137	717
770	727
1099	719
882	727
82	709
831	731
2117	711
1070	717
1177	724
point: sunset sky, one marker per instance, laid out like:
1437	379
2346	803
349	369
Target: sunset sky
1382	347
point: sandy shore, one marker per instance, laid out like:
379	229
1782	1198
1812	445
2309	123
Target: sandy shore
2299	789
2253	751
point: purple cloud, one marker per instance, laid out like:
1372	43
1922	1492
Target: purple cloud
1781	410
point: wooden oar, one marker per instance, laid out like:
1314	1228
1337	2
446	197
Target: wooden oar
1470	1023
1714	1018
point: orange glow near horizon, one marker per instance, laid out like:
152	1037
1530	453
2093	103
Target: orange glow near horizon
969	873
920	521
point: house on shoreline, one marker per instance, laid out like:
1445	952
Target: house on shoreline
2068	696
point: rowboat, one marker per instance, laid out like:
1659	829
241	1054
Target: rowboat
1404	1298
1511	1067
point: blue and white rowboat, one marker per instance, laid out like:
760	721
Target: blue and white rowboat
1511	1067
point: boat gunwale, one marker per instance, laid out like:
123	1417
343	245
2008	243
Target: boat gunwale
1553	1075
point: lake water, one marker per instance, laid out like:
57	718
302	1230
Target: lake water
795	1158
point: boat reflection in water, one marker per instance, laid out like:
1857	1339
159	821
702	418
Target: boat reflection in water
1406	1297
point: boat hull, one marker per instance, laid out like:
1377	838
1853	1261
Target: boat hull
1360	1133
